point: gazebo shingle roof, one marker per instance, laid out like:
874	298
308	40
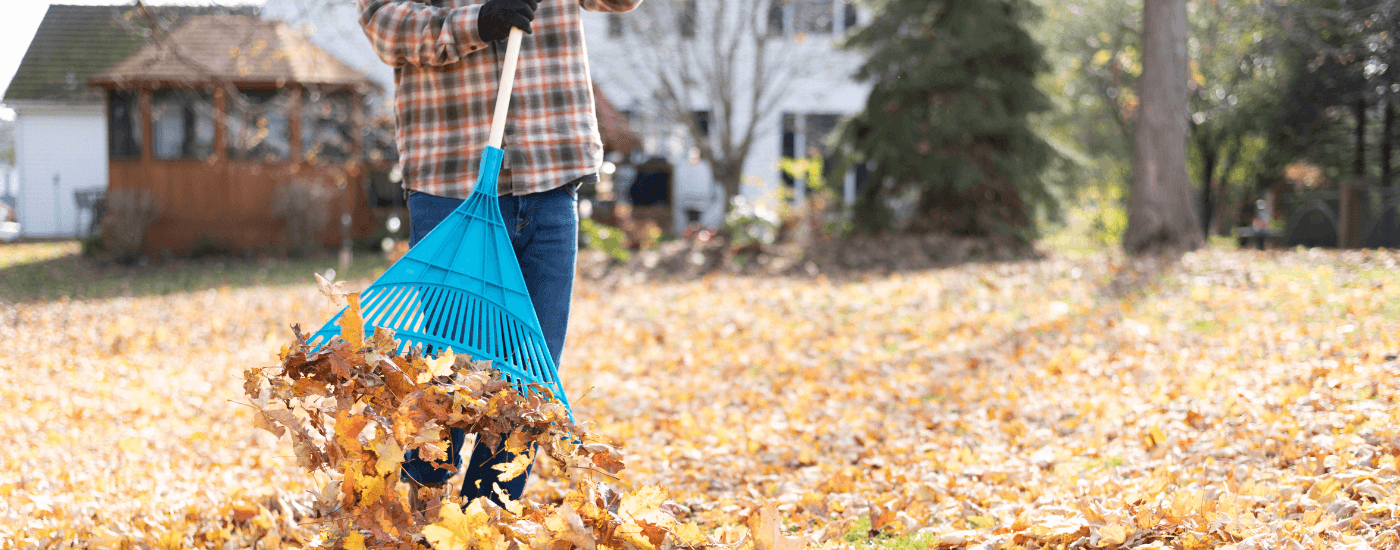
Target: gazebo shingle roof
74	42
232	48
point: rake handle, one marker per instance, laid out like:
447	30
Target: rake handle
498	121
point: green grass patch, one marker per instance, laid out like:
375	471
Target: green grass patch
859	536
32	272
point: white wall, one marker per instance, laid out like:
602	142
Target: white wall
67	141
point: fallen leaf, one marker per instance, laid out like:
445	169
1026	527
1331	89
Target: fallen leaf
767	532
514	468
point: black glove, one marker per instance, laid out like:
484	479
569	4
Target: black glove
496	18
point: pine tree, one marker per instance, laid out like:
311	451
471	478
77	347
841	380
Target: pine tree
948	115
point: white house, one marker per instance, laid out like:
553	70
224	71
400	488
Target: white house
793	98
60	122
810	89
61	151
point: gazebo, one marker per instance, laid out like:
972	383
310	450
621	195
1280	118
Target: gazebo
239	127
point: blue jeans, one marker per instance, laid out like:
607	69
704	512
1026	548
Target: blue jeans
544	231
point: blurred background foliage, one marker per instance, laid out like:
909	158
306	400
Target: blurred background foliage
1289	95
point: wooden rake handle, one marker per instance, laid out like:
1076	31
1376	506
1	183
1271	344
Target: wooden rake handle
498	120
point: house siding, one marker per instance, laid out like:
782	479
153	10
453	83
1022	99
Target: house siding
69	143
826	86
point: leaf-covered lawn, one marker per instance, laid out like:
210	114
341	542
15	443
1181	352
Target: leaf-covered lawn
1233	398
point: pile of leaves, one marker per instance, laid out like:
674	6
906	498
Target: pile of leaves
354	406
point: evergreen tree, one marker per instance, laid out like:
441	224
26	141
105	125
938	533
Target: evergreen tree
1338	53
954	87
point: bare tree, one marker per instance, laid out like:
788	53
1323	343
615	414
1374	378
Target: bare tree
1161	218
718	68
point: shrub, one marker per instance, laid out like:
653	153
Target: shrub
92	245
303	207
206	247
609	239
127	220
751	225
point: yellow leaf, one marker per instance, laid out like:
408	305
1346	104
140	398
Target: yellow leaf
518	442
643	502
333	291
461	529
633	535
260	420
1113	534
270	541
514	468
347	430
565	524
1325	490
955	538
352	328
438	366
432	453
371	488
1186	503
689	534
764	525
1055	525
511	505
1154	437
354	541
390	455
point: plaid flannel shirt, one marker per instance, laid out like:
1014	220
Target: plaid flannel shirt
446	78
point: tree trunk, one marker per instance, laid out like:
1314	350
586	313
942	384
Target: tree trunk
730	176
869	213
1207	173
1161	218
1387	141
1360	168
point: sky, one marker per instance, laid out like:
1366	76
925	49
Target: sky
22	18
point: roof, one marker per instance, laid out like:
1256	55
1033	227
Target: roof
74	42
232	48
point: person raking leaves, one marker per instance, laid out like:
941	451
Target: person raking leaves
447	57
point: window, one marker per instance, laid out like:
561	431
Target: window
805	136
615	28
810	16
702	122
688	18
327	131
789	147
257	125
819	129
123	124
775	16
182	124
